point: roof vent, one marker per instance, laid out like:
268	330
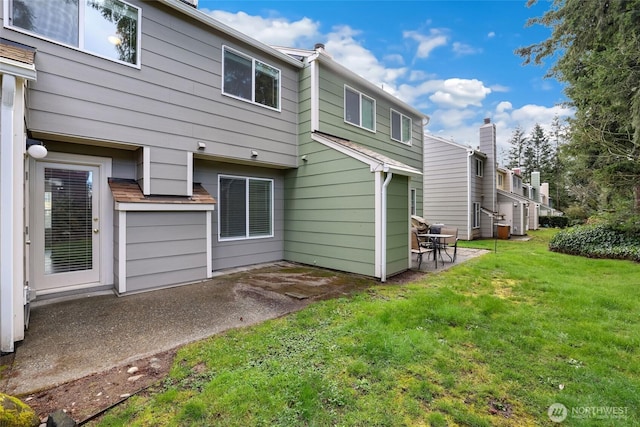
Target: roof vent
318	46
487	121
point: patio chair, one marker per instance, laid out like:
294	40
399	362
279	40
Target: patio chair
449	242
420	249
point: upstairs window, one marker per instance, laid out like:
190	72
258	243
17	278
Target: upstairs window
106	28
251	80
245	208
479	168
400	127
500	181
359	109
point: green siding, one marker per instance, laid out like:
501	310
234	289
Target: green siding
329	212
397	225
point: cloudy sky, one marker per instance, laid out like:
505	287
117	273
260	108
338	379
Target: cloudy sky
454	60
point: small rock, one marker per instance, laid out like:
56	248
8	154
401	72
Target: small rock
132	370
125	395
135	378
60	419
99	394
155	366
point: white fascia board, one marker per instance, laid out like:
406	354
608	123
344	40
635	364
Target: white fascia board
219	26
374	165
164	207
348	74
18	69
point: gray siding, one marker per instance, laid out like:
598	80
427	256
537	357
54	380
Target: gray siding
228	254
446	184
173	101
329	208
123	162
168	171
165	248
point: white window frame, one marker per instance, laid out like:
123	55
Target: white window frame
247	236
476	215
500	180
479	168
360	96
8	4
402	139
253	82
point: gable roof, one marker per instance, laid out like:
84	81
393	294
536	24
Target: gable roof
468	148
376	161
321	56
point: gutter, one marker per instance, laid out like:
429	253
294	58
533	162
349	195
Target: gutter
383	231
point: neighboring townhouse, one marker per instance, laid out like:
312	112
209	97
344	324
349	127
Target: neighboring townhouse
177	147
359	178
459	184
513	204
465	188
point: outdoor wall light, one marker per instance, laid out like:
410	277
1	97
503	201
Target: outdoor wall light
254	153
36	149
304	158
201	145
515	204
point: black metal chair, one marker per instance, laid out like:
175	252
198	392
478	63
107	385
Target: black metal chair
419	248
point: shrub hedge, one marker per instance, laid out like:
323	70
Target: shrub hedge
554	221
597	241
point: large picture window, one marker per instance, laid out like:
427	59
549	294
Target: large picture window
359	109
400	127
245	207
249	79
107	28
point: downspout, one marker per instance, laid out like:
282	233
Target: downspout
6	213
383	267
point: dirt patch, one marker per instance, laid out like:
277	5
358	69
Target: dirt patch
87	397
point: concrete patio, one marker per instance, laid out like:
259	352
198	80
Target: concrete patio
73	338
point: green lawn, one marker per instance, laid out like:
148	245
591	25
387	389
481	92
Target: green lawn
492	342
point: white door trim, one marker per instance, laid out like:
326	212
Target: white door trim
105	209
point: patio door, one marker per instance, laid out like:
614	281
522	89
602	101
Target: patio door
65	226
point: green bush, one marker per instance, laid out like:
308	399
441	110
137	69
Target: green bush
554	221
597	241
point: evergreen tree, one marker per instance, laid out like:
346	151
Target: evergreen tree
518	142
597	47
538	154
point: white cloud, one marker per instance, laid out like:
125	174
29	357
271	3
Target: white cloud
499	88
460	93
465	49
427	43
344	49
503	106
272	31
491	34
